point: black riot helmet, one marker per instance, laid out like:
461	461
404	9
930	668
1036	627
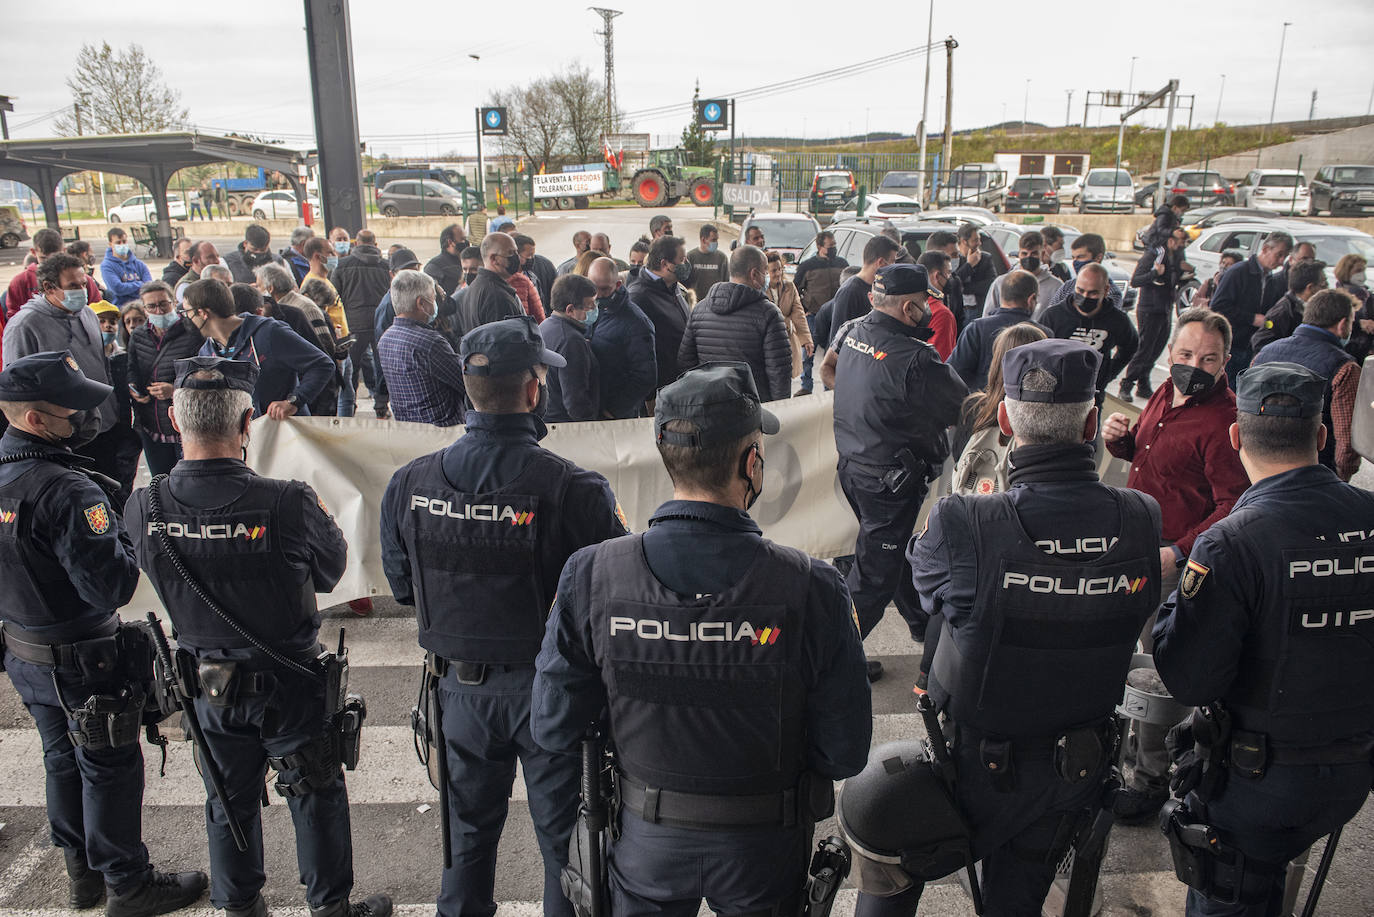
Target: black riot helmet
900	822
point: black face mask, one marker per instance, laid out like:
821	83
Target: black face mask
744	473
683	272
469	277
256	259
1086	304
1191	380
1030	263
513	263
85	427
541	407
1079	265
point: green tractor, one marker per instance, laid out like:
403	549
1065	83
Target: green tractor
666	178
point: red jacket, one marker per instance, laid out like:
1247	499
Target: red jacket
944	330
25	284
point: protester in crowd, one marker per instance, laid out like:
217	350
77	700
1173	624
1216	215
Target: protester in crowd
709	264
1246	292
1052	253
584	262
1028	255
817	280
1089	248
978	413
639	251
852	300
581	243
477	224
784	295
1088	316
536	267
217	272
1305	280
82	249
362	279
623	342
490	297
1180	454
974	356
1302	252
203	254
948	244
131	318
658	292
754	236
294	254
341	242
974	270
317	252
447	267
126	445
25	284
107	314
575	389
180	263
1203	296
123	273
1318	343
1350	278
424	374
939	318
738	323
601	244
501	222
1168	217
660	225
252	253
527	291
1157	275
275	282
825	316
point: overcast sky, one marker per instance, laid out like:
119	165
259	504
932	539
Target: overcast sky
241	65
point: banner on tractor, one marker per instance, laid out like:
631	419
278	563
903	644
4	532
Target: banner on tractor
569	184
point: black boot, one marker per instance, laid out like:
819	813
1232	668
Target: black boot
163	892
257	909
875	670
1124	392
85	886
371	906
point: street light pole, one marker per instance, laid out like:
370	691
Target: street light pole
1068	108
1130	82
923	130
1220	93
1274	104
1025	108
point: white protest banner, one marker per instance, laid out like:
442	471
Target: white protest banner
569	184
755	196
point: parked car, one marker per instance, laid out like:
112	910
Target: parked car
1275	190
1342	189
1107	190
413	198
383	177
1331	242
785	233
1195	221
141	209
1008	236
903	183
1069	188
980	215
1199	186
1032	194
852	235
1145	197
280	205
830	188
13	229
888	205
977	184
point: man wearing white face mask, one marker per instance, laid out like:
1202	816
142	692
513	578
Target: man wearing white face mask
121	270
58	318
737	322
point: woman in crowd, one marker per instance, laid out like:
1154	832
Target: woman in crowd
131	318
784	294
1350	278
981	446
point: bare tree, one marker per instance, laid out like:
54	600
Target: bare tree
583	100
119	92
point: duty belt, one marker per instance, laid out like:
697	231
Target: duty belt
1345	752
38	651
690	810
469	673
877	471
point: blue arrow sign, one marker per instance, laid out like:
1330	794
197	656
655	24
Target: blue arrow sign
712	112
494	118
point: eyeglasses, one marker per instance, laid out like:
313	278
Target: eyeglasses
161	306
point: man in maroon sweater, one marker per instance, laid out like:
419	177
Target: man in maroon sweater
1180	454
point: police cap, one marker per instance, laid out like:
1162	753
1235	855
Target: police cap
1256	384
52	376
1073	363
237	374
720	399
401	259
901	280
510	345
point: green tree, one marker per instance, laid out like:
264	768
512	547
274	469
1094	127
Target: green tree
701	149
119	92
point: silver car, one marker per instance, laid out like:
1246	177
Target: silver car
1107	191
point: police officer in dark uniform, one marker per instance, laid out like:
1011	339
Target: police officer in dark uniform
474	536
730	669
67	565
893	400
1272	619
260	548
1040	593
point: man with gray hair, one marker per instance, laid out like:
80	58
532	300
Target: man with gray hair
736	322
423	373
218	272
1246	291
254	710
1014	666
275	282
295	255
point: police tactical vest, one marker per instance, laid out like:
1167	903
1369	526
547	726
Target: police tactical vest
874	416
706	693
484	565
35	590
235	552
1050	639
1314	349
1305	679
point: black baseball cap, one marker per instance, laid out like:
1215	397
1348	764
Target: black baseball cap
510	345
401	259
1073	363
1256	384
52	376
238	374
720	399
901	280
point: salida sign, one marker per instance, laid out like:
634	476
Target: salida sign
756	196
569	184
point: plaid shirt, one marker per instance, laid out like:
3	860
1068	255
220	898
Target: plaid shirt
423	373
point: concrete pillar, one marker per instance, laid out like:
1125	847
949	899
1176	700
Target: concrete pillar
156	181
333	95
48	177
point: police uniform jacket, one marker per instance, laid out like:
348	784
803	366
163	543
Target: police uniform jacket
1043	591
728	663
66	562
475	536
1272	614
260	547
891	392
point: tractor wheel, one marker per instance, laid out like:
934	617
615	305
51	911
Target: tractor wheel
565	203
672	201
650	190
702	192
9	240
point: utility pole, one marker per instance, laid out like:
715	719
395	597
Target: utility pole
607	34
5	105
1068	108
1273	105
1312	111
76	112
950	45
1025	108
1220	93
922	129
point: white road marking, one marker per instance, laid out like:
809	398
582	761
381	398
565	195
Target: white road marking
27	861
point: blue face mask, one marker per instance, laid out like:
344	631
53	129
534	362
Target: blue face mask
109	336
591	316
162	321
74	300
712	246
766	281
121	250
1079	265
342	247
331	262
433	316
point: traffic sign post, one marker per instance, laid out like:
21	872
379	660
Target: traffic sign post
492	122
713	114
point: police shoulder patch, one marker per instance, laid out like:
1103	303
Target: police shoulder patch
71	361
1194	574
854	613
98	518
620	514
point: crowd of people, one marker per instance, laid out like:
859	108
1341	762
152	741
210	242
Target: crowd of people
536	633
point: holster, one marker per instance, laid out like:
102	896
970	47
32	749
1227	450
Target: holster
1204	863
425	720
219	680
829	867
107	720
816	796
